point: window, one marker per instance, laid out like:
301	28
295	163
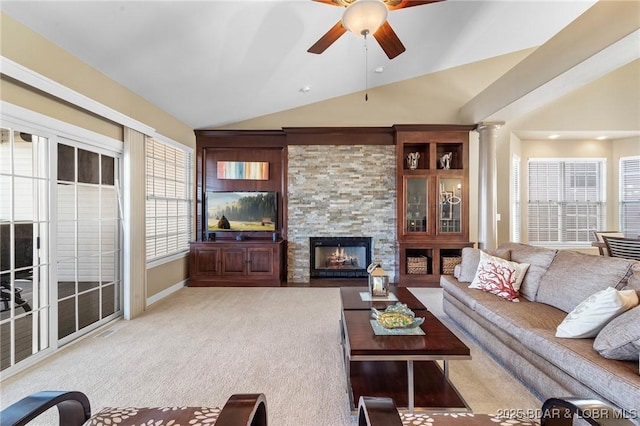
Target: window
566	200
516	208
630	196
168	191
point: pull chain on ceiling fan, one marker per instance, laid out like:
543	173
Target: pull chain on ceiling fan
364	17
365	14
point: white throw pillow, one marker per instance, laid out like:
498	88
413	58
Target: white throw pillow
498	276
593	313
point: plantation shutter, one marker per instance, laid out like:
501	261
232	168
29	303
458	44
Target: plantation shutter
566	200
582	201
630	196
543	208
516	208
168	210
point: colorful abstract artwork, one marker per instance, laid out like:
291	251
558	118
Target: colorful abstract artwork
245	170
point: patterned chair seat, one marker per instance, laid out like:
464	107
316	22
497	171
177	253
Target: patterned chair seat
373	411
74	409
461	419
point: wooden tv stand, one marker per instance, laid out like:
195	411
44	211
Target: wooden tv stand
248	263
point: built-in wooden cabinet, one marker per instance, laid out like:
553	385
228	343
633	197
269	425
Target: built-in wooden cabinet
432	199
237	263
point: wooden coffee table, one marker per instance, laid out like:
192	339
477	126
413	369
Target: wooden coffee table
402	367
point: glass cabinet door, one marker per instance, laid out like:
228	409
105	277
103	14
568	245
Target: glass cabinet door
450	205
416	204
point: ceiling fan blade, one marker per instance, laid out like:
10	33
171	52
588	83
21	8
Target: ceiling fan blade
330	2
407	3
389	41
327	40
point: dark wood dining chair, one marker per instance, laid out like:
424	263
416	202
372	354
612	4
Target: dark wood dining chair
627	248
598	237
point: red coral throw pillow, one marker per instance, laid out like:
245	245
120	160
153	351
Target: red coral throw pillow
500	277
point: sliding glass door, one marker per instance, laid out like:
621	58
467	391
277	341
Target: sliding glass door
24	236
60	242
88	239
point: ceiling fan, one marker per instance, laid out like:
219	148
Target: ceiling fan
384	35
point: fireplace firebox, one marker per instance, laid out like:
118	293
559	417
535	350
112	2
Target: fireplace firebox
340	257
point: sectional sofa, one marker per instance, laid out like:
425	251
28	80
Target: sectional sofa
522	335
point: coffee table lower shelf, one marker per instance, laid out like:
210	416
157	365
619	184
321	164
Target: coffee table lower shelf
432	389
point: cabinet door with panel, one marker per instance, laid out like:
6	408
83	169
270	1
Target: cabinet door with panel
234	260
416	205
260	261
205	261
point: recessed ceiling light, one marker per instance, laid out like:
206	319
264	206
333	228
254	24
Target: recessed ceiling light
554	136
379	70
601	138
305	89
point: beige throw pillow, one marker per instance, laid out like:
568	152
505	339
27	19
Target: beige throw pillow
591	315
500	277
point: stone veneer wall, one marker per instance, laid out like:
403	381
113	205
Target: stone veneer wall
345	191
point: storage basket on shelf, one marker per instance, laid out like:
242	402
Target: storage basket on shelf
449	263
417	265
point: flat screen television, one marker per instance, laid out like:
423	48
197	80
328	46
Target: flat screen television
241	211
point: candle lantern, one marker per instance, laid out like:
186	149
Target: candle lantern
378	281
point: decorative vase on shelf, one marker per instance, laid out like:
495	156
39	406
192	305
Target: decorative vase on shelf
412	160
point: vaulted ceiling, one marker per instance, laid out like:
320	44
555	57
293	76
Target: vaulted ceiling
212	63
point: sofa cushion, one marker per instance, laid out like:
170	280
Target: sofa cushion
469	297
539	259
471	259
593	313
620	338
573	276
515	318
498	276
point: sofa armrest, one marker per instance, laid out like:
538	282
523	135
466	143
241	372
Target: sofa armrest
378	412
561	411
73	407
244	409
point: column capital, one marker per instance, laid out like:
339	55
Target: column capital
489	125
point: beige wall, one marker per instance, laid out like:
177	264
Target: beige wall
27	48
169	273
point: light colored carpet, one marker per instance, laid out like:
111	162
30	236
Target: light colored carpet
200	345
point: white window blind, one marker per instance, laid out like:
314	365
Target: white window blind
168	190
630	196
566	200
516	208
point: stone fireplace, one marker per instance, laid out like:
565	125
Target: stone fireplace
340	191
339	257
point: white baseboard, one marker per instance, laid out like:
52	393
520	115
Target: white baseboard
166	292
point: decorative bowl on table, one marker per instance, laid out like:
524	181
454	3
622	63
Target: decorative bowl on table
396	316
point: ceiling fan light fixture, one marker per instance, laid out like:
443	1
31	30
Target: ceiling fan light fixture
364	17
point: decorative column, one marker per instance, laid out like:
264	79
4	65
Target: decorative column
488	185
